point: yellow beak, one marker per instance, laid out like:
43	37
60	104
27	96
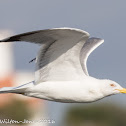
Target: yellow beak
122	90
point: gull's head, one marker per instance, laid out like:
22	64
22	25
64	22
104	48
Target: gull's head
110	87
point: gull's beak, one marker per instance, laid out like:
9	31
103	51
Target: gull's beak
123	90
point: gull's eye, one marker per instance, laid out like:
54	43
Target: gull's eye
112	85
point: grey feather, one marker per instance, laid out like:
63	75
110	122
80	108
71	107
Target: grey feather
88	47
57	44
54	43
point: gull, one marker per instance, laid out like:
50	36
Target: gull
61	72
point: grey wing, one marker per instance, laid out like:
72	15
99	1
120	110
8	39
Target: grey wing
59	61
58	57
46	36
90	45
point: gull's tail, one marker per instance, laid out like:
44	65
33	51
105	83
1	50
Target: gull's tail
19	90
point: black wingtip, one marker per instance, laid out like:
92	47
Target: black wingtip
4	40
11	39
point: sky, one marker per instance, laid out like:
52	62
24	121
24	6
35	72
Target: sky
103	19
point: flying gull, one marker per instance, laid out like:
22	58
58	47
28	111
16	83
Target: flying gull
61	73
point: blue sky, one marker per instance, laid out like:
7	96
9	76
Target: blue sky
104	19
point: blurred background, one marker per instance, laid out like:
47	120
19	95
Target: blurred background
104	19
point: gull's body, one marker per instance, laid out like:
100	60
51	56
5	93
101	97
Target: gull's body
61	73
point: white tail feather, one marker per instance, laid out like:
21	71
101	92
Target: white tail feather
19	90
7	90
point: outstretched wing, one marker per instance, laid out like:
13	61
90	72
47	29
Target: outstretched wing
90	45
59	54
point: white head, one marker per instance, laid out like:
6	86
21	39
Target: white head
100	88
109	87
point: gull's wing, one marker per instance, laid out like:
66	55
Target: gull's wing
59	55
90	45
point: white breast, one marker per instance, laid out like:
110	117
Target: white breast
67	91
